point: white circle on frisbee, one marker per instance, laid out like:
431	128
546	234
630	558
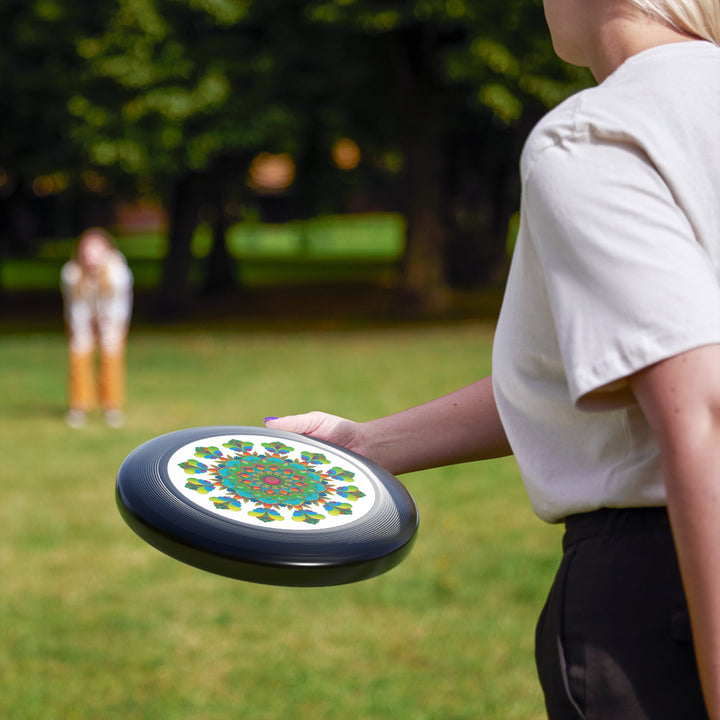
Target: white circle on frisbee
272	484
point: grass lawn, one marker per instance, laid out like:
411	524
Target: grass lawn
96	624
341	248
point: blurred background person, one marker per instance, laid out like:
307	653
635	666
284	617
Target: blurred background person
97	295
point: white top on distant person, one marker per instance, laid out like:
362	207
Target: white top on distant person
607	358
97	292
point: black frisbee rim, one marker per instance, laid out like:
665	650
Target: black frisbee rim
360	550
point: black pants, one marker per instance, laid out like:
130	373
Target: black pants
613	641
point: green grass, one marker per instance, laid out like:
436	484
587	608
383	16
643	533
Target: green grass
32	274
342	248
96	624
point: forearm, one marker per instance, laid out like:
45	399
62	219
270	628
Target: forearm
693	496
681	400
460	427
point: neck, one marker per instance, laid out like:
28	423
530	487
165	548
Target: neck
621	36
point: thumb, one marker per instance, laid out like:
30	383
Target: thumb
304	424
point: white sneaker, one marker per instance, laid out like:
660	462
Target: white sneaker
115	418
75	418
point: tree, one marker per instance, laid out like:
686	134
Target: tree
38	68
175	98
461	72
182	94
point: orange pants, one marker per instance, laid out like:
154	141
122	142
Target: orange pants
84	393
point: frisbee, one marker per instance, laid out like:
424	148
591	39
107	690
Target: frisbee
266	506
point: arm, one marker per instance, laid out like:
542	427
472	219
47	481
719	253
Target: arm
681	400
459	427
115	302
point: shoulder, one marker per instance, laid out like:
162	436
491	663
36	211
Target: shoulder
648	105
553	130
596	116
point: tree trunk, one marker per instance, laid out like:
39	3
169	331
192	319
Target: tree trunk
424	276
485	194
425	148
220	266
175	296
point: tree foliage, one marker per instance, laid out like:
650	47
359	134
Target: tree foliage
469	77
39	68
175	97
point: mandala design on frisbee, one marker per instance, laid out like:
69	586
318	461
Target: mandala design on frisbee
271	484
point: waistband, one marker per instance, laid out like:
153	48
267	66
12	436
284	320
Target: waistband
607	521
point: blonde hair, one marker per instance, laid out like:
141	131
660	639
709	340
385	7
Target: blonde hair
699	18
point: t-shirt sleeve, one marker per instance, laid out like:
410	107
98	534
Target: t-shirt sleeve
629	282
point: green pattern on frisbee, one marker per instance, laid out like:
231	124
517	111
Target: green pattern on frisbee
271	484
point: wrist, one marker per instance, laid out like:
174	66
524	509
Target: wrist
376	445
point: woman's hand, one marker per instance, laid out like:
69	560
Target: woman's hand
327	427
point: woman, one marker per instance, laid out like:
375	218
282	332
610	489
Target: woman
606	365
97	293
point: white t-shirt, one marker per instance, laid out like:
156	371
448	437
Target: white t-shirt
617	266
97	308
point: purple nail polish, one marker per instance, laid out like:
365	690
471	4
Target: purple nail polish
271	417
